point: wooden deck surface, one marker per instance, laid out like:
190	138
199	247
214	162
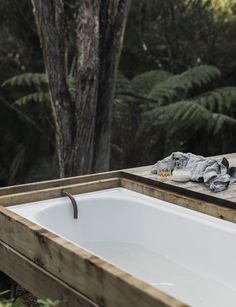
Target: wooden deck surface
229	194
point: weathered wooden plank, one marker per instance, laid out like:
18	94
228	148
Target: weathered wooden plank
103	283
13	199
137	170
145	172
193	186
226	194
36	280
199	191
181	200
56	183
233	199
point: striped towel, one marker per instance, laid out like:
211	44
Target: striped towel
217	174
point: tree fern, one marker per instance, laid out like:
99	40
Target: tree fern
144	82
38	81
123	85
127	93
37	97
177	87
219	121
27	79
180	107
194	115
222	100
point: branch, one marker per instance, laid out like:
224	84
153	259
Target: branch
121	14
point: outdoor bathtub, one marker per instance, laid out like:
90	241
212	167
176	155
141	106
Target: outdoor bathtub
187	254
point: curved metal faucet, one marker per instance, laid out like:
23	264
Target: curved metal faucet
73	201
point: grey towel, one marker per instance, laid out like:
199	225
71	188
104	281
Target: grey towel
214	173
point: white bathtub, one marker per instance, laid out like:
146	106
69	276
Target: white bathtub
187	254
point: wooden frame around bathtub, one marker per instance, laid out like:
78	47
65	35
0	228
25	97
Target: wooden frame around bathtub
49	266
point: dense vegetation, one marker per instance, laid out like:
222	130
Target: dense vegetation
176	87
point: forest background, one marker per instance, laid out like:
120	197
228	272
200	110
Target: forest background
175	89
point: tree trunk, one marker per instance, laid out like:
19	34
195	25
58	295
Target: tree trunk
111	41
50	19
87	76
83	125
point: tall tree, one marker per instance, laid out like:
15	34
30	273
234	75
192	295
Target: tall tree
82	121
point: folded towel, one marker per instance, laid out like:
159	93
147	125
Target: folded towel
214	173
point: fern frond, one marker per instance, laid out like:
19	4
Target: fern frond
144	82
123	86
194	115
222	100
37	97
218	121
125	92
177	87
27	79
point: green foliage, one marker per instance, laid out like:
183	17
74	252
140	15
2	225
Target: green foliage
36	81
9	303
221	100
126	121
48	303
123	85
175	35
32	141
27	79
19	302
144	82
180	85
174	101
219	121
171	113
159	110
37	97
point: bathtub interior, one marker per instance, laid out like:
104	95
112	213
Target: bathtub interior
187	254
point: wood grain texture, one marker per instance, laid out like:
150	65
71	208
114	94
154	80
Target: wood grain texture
38	281
22	188
103	283
19	198
181	200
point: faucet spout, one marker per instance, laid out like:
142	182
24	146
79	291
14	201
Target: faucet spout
73	202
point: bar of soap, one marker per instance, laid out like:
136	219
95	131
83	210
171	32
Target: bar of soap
181	175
